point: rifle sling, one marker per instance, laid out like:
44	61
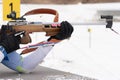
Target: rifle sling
43	11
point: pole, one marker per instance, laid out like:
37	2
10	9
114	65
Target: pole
89	23
90	37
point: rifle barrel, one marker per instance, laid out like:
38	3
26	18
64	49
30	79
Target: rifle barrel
74	23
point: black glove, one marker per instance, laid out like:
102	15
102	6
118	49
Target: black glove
65	32
11	42
5	31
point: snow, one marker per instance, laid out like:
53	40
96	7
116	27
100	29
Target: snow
93	54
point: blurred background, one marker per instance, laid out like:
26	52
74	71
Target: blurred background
92	50
66	1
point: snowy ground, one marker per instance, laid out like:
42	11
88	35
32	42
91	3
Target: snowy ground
94	54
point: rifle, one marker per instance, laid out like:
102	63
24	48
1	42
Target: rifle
20	24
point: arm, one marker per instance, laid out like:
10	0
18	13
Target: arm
25	51
9	43
66	30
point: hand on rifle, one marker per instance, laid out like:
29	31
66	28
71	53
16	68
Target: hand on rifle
10	41
66	30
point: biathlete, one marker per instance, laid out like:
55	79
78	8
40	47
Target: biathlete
13	60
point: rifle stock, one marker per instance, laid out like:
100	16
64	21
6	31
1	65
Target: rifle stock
50	31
